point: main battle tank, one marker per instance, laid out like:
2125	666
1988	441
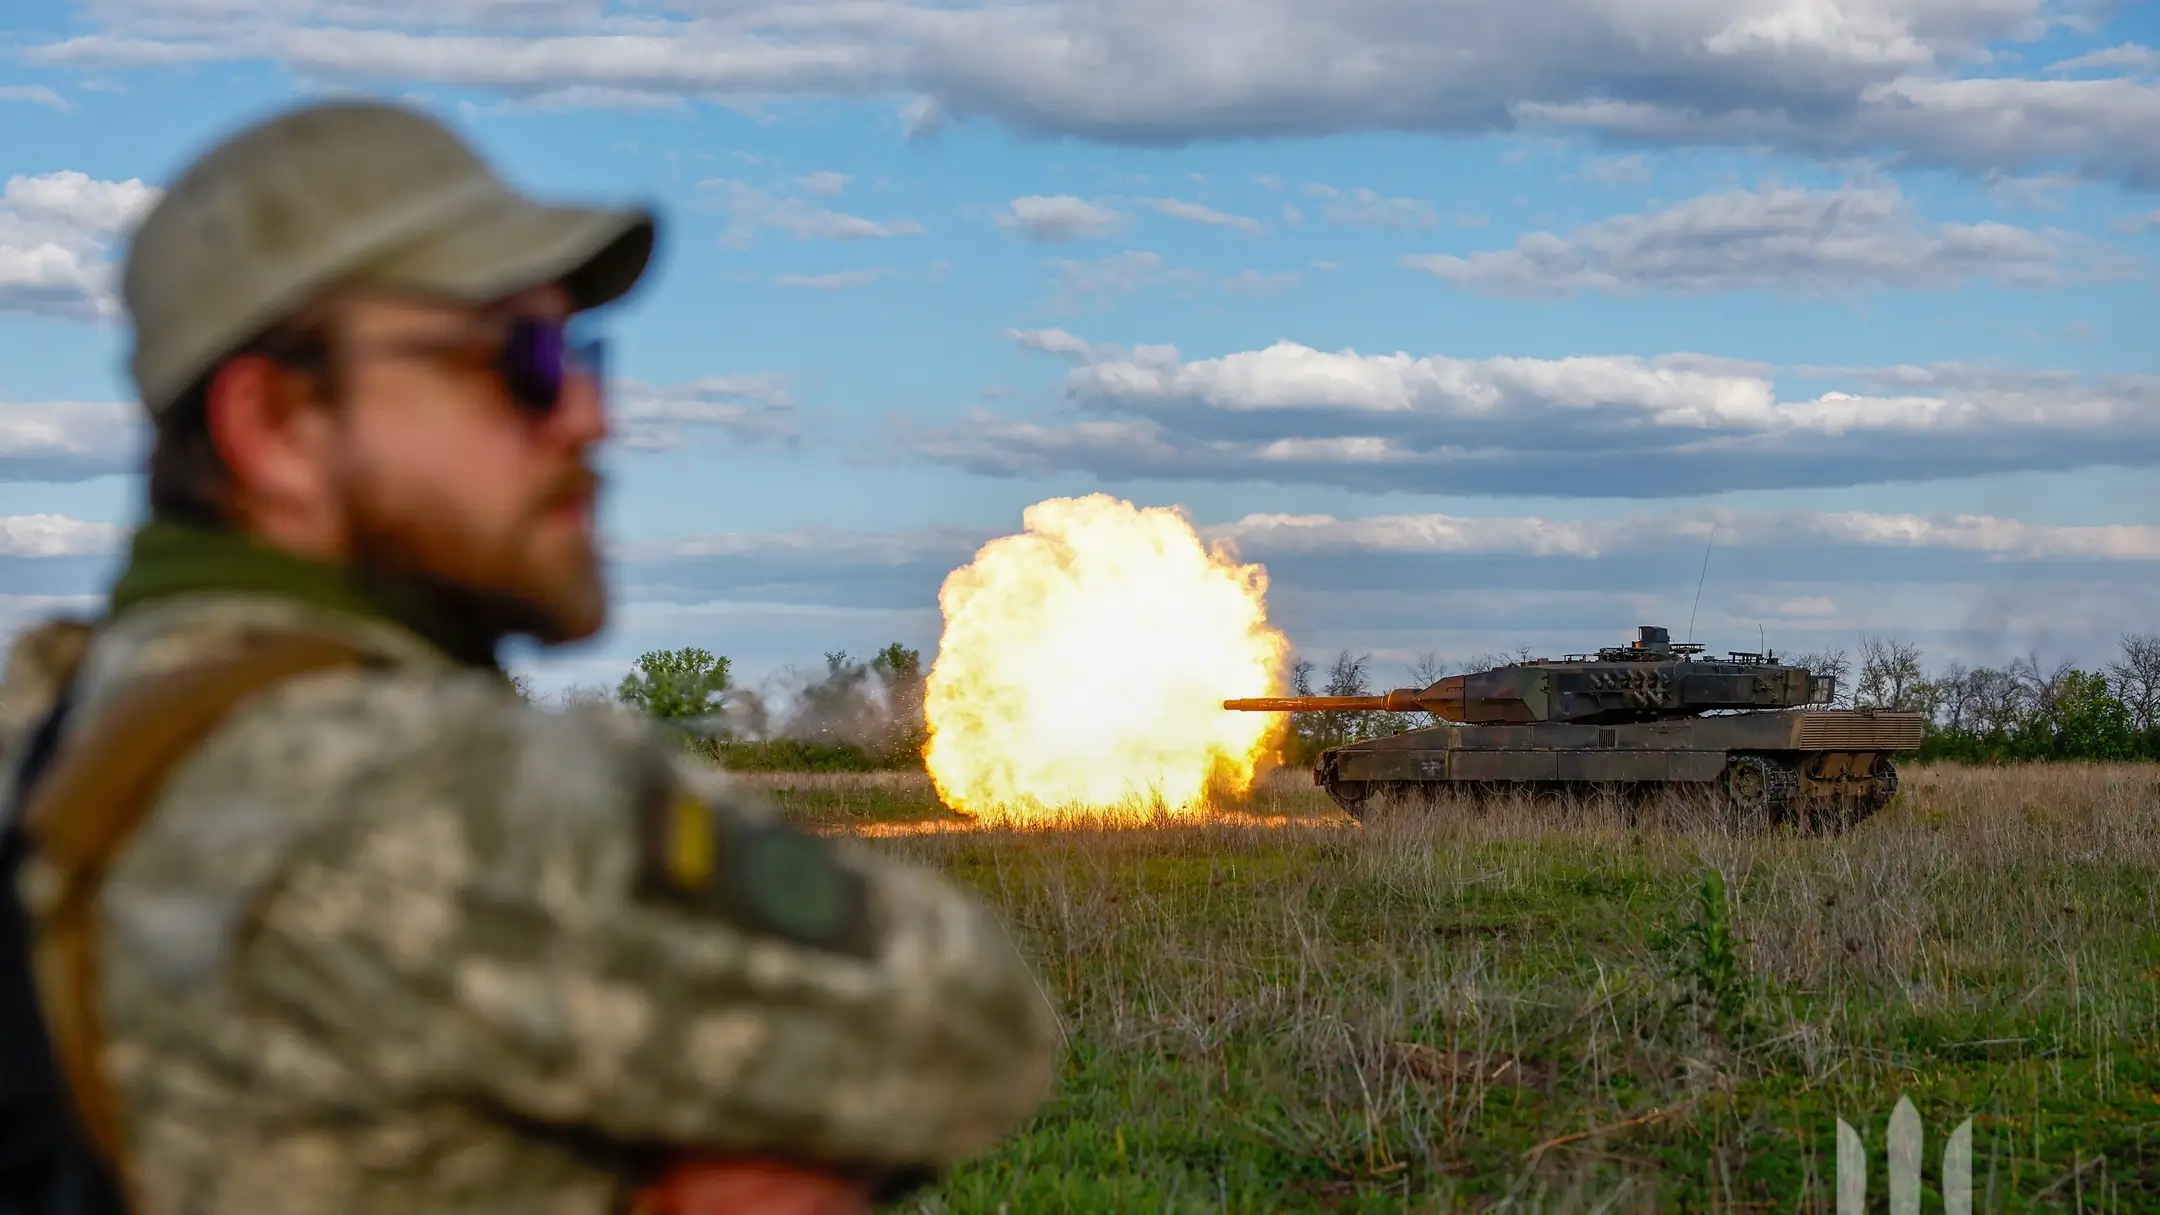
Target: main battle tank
1635	718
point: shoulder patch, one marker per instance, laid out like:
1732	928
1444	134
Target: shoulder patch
766	878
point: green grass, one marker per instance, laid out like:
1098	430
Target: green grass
1542	1009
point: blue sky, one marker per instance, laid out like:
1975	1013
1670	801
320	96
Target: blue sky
1511	308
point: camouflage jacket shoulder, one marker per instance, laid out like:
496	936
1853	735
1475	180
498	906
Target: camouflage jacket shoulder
384	925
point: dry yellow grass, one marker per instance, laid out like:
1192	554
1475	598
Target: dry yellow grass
1534	1007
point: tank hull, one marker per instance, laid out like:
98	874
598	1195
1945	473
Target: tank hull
1820	768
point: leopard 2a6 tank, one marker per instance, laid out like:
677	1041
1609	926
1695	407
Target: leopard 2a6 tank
1655	714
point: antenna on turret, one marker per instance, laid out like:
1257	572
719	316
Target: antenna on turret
1700	579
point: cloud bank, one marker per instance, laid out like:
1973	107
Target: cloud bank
1791	239
1590	425
1919	80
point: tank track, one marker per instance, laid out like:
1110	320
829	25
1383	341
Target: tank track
1760	791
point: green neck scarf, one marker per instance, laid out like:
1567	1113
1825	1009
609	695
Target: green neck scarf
168	559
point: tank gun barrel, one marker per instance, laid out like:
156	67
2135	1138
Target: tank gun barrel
1403	700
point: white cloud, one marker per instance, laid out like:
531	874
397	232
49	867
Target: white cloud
1054	219
841	280
751	210
2041	192
1051	341
35	94
1592	425
1117	274
56	536
1262	535
1981	125
1195	213
2135	225
1363	208
56	232
1255	282
1824	241
823	184
591	97
69	440
821	545
1831	77
2128	56
1630	170
755	409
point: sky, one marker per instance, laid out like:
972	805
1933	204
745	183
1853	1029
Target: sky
1480	325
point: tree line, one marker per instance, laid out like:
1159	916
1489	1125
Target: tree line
867	714
858	715
2020	712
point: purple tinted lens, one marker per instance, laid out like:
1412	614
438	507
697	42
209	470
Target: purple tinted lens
532	364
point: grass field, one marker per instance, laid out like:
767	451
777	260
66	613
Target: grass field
1541	1008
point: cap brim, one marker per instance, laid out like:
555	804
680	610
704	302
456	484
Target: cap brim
510	244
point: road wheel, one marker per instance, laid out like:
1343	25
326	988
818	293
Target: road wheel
1411	794
1351	795
1758	792
1886	787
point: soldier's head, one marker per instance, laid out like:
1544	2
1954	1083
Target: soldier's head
356	343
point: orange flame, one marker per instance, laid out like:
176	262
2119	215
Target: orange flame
1084	664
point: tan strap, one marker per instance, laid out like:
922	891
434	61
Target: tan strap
99	789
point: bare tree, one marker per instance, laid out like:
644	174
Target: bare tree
1301	677
1428	670
1995	701
2039	690
579	695
1827	664
1891	676
1347	677
1950	694
1351	675
2134	678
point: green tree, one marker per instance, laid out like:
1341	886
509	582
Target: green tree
676	684
2090	721
900	670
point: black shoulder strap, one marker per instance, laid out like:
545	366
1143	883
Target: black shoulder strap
48	1164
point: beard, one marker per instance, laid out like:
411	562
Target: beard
516	583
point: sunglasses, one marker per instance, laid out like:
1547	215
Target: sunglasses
537	358
533	357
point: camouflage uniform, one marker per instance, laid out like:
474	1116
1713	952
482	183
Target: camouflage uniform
381	947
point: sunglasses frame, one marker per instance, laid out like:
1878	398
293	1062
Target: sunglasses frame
533	358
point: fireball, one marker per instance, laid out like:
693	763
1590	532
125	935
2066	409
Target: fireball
1084	664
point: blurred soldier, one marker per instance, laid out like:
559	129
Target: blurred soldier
383	937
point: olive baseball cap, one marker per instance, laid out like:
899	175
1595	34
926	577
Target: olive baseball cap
348	194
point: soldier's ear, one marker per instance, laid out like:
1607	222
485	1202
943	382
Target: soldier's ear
274	440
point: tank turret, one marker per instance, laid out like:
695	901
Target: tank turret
1651	679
